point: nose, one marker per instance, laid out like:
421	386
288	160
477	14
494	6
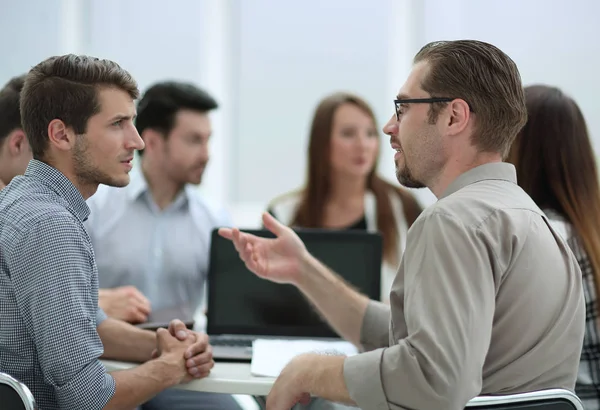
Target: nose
135	141
203	155
391	128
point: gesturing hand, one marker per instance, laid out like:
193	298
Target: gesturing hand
277	259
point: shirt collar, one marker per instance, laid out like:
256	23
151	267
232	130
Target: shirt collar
494	171
60	184
139	186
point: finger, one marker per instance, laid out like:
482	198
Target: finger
140	306
142	300
162	335
154	354
178	329
199	371
304	399
281	401
226	233
244	246
273	224
235	235
133	315
252	262
200	358
200	346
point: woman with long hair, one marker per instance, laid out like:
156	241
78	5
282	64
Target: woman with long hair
343	189
556	166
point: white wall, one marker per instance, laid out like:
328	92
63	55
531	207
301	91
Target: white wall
553	42
27	35
268	63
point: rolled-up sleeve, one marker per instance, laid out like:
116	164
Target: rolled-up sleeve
449	314
51	269
375	329
100	316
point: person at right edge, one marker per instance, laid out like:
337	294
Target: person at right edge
488	298
556	166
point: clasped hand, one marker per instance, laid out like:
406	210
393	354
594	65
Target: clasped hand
198	352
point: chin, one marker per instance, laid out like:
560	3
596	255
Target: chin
359	172
406	179
119	182
194	180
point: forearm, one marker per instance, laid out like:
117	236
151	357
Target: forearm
123	341
138	385
343	307
327	379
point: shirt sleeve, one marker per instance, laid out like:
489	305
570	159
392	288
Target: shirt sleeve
449	295
100	316
375	329
225	219
51	270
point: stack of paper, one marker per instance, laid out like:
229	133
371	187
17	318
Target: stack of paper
269	356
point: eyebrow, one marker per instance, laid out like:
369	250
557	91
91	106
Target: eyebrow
402	97
195	134
120	117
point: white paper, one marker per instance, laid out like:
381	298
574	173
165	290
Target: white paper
270	356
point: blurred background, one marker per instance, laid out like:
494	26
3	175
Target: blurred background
269	62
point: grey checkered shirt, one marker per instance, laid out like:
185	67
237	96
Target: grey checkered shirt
49	293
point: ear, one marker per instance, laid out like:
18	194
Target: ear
17	142
61	137
459	116
153	140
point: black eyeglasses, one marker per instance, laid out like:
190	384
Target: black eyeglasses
398	103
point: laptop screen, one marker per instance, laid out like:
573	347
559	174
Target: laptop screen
240	303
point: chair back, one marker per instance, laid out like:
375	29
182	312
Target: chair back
14	395
552	399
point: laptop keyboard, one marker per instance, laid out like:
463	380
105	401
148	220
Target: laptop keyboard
231	342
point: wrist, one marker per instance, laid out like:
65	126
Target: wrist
307	269
172	372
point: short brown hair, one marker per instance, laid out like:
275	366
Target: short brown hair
10	117
66	88
487	79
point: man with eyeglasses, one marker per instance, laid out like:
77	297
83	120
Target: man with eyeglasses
487	299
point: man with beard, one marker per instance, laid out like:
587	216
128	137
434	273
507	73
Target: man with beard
154	234
488	298
124	302
77	113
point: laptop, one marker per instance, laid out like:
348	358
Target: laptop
162	318
243	307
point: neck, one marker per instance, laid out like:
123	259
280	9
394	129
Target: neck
163	189
85	188
455	168
345	189
6	174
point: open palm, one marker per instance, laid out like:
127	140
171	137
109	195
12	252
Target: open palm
277	259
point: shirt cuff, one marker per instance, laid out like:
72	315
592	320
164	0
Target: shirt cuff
100	316
91	388
375	329
362	374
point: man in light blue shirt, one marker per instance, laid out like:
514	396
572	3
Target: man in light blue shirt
154	234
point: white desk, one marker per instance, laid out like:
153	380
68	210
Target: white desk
229	378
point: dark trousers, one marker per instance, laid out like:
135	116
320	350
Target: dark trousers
191	400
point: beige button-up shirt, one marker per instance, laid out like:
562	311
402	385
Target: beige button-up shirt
488	300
